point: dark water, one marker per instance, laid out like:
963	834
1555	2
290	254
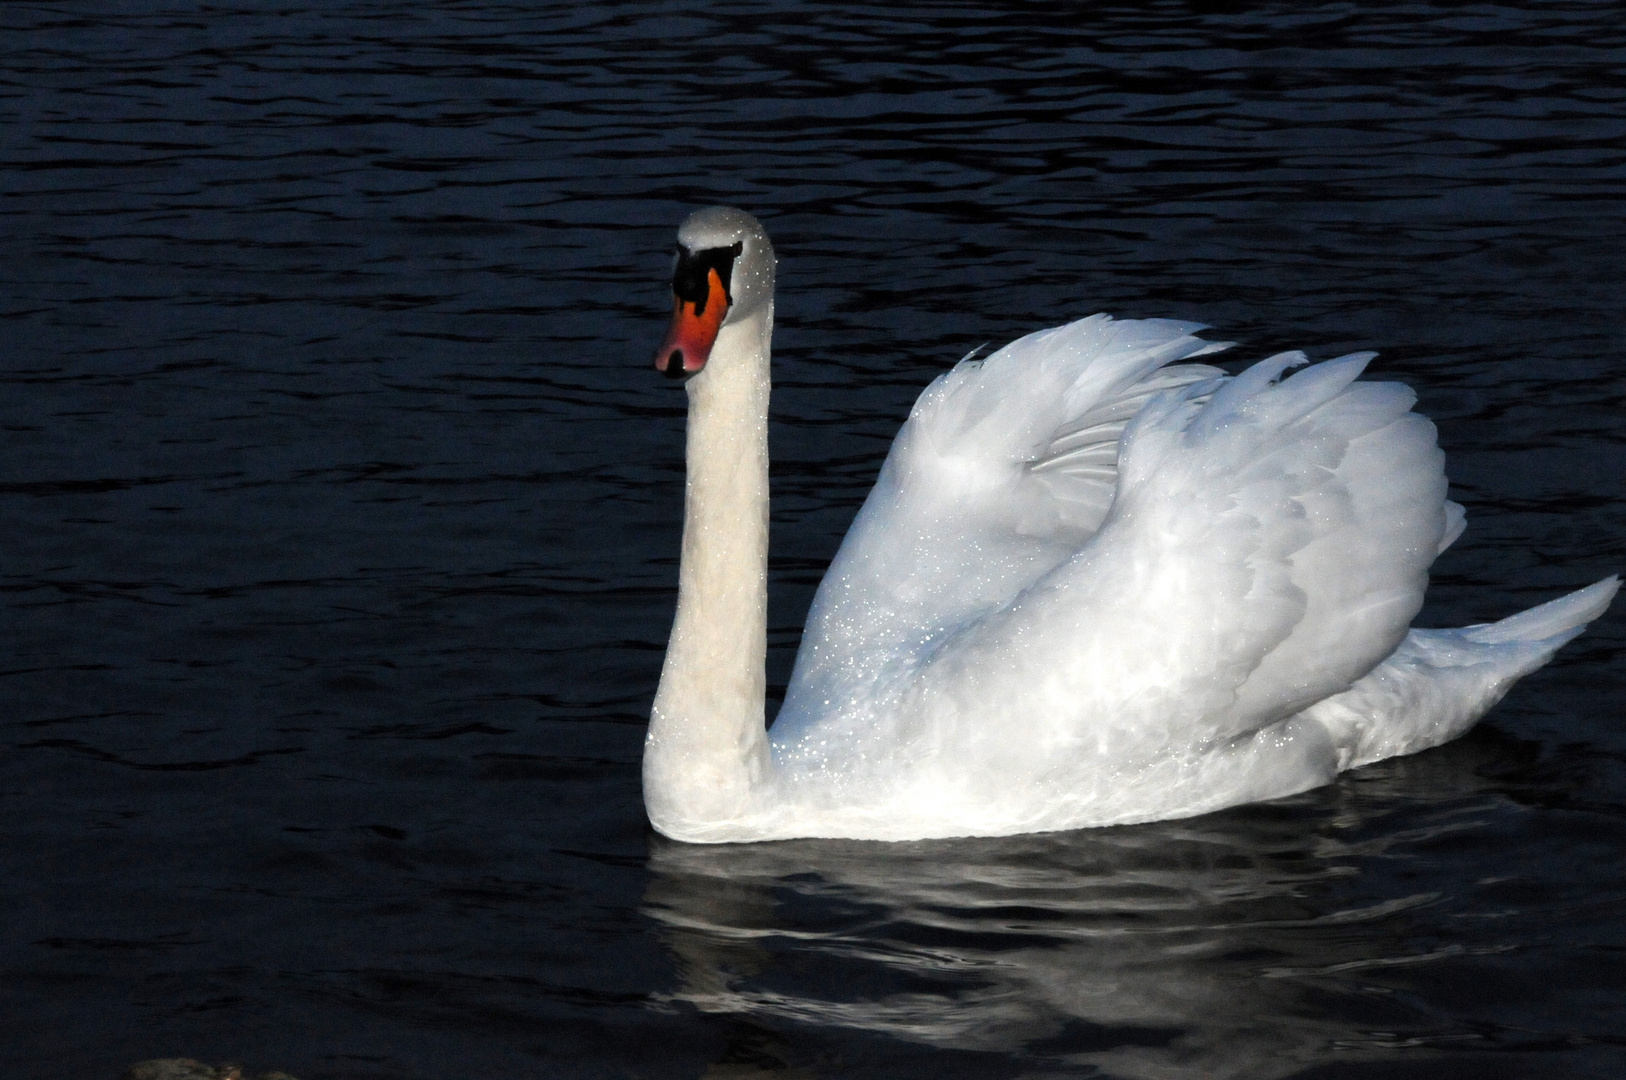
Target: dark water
340	513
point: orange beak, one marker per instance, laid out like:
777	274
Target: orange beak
694	329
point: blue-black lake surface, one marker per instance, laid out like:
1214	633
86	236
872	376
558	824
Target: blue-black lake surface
340	505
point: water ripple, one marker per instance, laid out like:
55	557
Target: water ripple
341	515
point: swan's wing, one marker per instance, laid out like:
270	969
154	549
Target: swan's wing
1004	469
1267	547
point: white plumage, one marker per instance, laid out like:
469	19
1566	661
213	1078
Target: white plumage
1088	587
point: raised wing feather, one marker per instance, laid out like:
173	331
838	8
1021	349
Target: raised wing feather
1266	548
1003	471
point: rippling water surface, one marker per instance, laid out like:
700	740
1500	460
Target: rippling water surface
339	511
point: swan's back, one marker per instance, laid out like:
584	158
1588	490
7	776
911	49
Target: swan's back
1004	469
1082	574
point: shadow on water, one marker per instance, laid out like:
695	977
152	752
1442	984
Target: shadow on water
1262	942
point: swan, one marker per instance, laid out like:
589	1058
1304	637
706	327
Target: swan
1091	586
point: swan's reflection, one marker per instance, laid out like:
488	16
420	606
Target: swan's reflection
1235	945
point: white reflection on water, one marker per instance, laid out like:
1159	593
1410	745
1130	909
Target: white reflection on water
1251	943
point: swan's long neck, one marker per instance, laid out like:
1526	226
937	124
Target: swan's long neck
707	748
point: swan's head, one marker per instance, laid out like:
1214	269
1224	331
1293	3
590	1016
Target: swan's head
723	274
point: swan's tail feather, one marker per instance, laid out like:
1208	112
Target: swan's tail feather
1557	621
1439	682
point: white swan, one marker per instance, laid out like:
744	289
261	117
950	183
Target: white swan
1088	588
